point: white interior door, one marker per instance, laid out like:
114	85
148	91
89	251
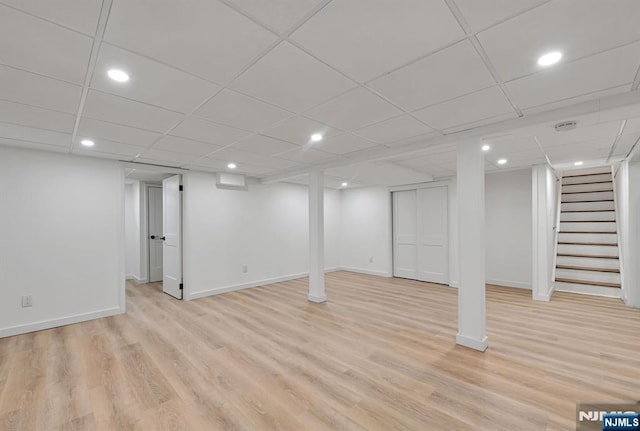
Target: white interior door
405	234
172	232
433	253
155	233
420	234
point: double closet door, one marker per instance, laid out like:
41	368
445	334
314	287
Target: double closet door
420	234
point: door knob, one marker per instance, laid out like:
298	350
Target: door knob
157	237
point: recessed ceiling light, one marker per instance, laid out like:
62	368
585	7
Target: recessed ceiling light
550	58
87	142
578	163
502	161
231	166
345	184
118	75
316	137
486	147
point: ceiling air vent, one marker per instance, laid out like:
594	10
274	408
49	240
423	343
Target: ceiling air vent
565	126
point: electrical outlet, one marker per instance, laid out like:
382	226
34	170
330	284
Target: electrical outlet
245	268
371	259
27	301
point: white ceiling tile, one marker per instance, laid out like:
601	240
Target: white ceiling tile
449	73
237	110
603	132
117	148
30	134
80	15
186	146
343	144
396	129
231	154
168	156
292	79
481	14
263	145
205	131
65	54
379	173
96	129
149	81
26	115
365	38
33	145
577	28
115	109
169	163
353	110
204	37
599	72
306	155
509	145
625	144
81	151
32	89
470	108
298	130
595	95
280	15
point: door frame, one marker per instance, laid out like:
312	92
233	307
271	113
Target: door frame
450	237
149	186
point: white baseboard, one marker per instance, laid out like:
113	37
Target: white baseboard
135	279
455	284
509	283
63	321
366	271
472	343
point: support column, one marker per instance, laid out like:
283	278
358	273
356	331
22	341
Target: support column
316	237
543	194
471	228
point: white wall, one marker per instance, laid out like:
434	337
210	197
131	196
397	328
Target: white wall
62	228
632	251
508	228
365	231
132	230
265	228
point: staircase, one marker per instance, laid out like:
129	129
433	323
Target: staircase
587	259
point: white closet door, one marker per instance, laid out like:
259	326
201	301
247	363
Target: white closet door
172	223
405	247
433	253
420	234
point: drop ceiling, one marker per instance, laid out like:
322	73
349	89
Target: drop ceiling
243	81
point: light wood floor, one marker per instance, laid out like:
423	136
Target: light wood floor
379	356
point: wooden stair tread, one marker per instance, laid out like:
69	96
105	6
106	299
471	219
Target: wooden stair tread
589	256
593	182
585	175
590	191
584	268
583	231
584	202
590	283
588	211
606	244
589	221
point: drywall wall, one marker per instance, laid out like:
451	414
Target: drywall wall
632	251
264	228
365	231
62	228
508	228
132	230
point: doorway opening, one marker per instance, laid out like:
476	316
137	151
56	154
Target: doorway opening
153	228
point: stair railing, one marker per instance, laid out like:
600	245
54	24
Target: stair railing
556	230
